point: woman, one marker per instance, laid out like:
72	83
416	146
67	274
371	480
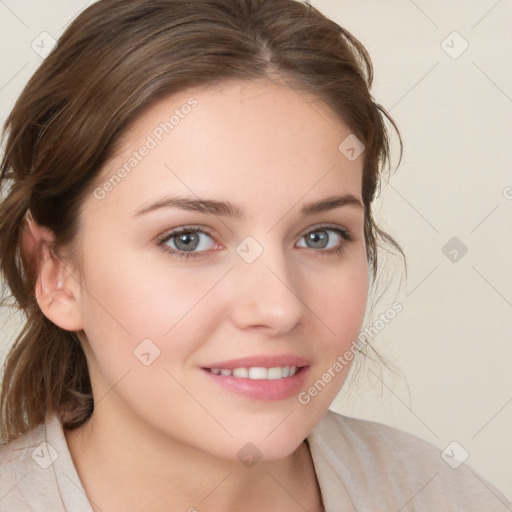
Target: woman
187	224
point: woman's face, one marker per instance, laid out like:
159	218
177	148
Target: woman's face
259	278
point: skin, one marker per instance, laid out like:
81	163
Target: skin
163	437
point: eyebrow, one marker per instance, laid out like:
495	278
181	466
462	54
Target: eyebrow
227	209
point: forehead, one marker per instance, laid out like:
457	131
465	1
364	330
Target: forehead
254	140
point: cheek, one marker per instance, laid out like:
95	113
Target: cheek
129	300
339	302
340	306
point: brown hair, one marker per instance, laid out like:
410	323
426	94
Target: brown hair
113	61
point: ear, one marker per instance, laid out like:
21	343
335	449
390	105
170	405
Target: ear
56	290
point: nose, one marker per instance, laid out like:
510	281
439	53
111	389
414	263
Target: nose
266	293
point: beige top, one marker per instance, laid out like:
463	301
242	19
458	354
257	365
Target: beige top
361	466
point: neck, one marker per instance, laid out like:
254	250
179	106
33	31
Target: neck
124	464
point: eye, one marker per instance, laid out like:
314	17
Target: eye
191	241
320	238
187	242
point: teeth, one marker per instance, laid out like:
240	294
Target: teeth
257	372
274	373
241	372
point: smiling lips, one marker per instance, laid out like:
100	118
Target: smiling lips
257	372
261	377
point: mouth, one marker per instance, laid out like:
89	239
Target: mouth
257	372
266	383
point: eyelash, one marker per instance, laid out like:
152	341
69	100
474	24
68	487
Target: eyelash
345	235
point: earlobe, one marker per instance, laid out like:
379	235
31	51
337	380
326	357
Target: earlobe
56	290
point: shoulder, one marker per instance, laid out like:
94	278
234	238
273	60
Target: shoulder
16	463
372	459
377	440
37	473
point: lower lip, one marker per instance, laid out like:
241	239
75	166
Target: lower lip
262	389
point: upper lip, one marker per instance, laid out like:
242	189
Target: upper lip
262	361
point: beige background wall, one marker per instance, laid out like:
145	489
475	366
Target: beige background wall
452	340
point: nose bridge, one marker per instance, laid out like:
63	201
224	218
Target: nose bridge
267	291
